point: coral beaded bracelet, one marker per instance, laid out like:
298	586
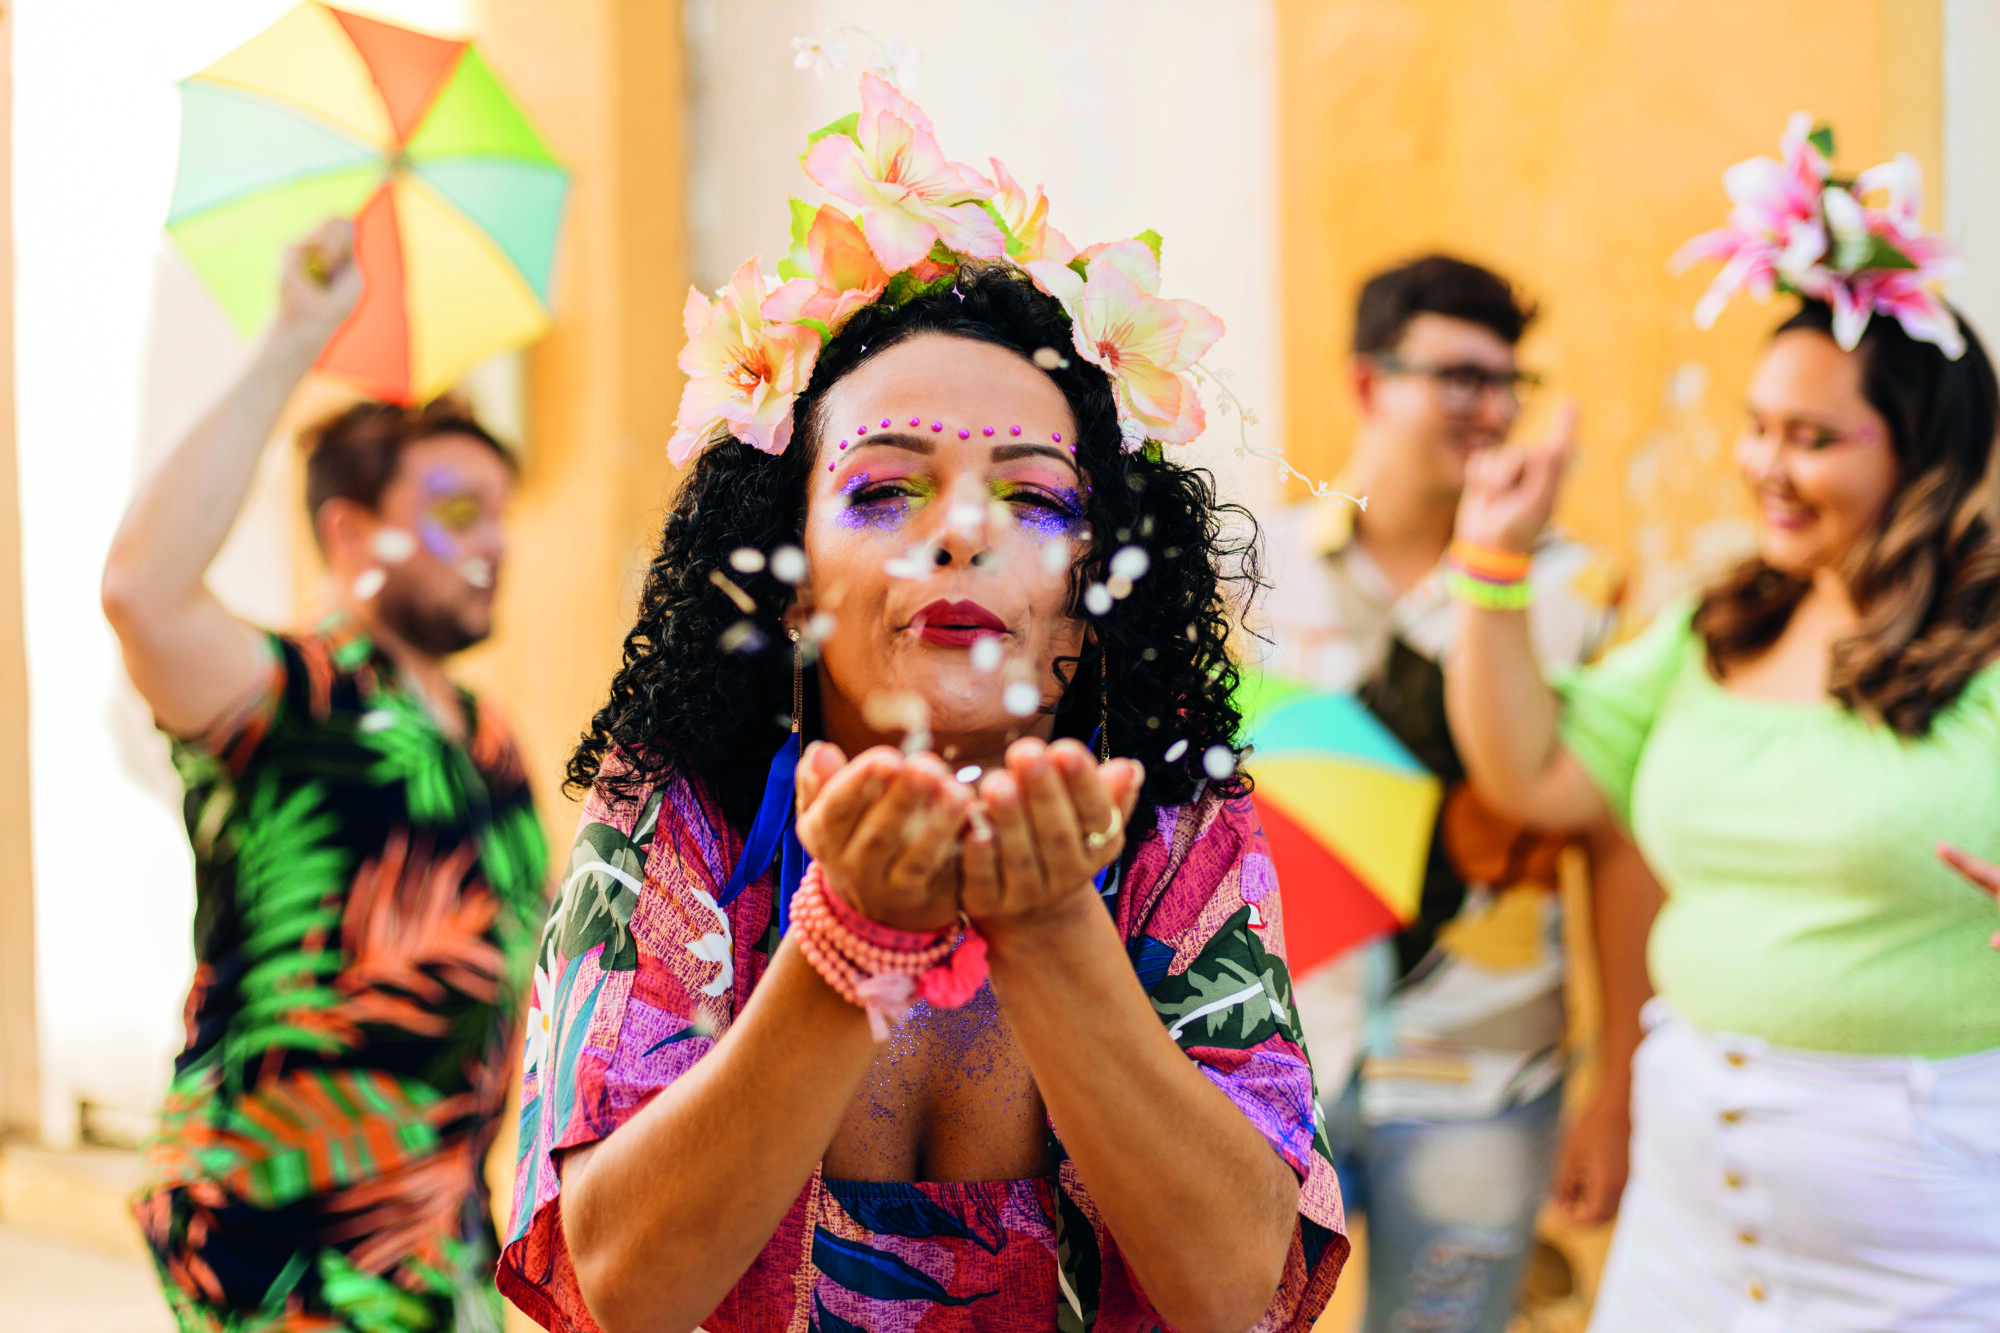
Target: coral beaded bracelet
878	968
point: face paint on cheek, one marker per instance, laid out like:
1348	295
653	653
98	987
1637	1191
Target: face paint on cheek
437	541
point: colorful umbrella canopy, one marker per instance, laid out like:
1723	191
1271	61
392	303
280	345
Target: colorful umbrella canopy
1348	811
455	200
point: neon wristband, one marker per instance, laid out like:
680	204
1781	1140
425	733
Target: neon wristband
1488	595
1489	563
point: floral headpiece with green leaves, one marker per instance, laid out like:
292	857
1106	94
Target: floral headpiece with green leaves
1796	227
750	352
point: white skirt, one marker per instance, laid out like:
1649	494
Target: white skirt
1782	1191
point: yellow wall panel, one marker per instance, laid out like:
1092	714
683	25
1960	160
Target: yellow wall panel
1573	145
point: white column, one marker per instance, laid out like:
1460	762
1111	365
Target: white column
1972	158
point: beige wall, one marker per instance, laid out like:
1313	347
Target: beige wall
19	1057
1573	144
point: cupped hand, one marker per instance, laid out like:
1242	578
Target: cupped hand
1980	873
884	829
1051	821
1510	493
319	283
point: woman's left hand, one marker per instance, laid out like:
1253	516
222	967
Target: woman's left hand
1983	874
1054	818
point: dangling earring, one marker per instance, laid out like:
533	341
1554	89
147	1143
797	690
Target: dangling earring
798	678
1104	707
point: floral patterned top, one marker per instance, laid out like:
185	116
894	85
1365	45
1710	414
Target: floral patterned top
366	897
641	972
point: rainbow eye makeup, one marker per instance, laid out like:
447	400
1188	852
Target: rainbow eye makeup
1050	512
457	512
883	500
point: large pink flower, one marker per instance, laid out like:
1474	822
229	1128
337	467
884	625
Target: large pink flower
1146	344
845	274
1027	221
745	366
910	197
1774	226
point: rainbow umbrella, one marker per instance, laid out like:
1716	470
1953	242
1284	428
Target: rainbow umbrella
455	200
1348	812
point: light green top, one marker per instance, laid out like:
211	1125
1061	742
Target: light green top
1796	841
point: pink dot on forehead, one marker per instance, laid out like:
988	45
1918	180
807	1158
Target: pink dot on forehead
1013	430
886	423
861	430
987	431
1056	435
916	421
964	434
937	425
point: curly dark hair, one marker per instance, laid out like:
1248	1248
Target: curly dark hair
680	701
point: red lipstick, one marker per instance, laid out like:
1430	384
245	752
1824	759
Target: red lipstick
955	624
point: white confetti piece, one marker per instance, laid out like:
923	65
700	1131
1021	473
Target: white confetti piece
746	560
370	583
1097	599
788	565
1021	699
741	637
1048	358
1218	761
1131	563
1176	750
1055	557
1120	588
969	774
986	653
392	546
820	627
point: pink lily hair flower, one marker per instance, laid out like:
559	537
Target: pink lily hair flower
1794	228
1145	344
910	197
1027	222
845	276
744	366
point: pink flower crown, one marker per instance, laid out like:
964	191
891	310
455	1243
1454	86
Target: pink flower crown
751	351
1796	227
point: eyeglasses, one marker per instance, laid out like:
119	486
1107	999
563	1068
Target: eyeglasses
1459	389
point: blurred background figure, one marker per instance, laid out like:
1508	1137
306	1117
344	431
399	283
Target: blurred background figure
1441	1051
368	866
1572	145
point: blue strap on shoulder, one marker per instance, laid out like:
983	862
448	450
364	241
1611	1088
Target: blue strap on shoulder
772	831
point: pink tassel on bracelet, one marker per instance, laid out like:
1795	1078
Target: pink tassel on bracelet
878	968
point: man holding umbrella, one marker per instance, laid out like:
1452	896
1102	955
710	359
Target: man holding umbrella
369	870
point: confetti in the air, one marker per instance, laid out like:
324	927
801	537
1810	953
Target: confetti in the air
742	637
1021	699
986	653
1218	761
904	712
1048	358
820	626
1055	557
392	546
1176	750
369	583
746	560
788	565
1131	563
744	602
969	774
1097	599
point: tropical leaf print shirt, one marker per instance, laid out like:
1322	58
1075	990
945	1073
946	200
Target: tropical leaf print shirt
367	893
641	972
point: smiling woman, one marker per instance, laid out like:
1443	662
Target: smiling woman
875	999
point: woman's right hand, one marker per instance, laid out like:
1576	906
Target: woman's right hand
883	827
1510	493
319	284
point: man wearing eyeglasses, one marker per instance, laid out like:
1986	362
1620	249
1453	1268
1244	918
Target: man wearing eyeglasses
1440	1051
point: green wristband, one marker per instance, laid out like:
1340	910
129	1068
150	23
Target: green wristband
1491	596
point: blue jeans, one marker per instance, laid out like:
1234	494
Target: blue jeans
1451	1210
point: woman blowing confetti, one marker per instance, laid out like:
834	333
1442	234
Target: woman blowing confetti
919	963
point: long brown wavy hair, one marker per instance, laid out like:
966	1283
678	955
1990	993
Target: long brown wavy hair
1927	584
